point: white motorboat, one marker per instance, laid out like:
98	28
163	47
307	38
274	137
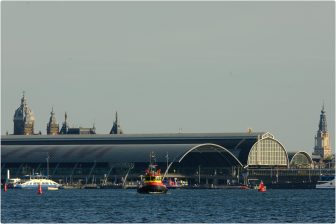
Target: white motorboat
326	184
33	181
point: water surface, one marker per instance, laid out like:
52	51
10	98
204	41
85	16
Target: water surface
222	205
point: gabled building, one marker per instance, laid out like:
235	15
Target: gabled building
66	130
82	131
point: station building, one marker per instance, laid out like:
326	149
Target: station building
70	154
200	158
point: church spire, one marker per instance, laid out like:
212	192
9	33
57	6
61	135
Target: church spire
52	111
65	127
323	121
52	115
94	126
116	129
322	140
23	99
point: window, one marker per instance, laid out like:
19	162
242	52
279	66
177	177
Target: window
267	152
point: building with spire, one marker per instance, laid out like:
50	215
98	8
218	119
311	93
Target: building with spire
23	119
116	129
66	130
322	141
52	126
65	126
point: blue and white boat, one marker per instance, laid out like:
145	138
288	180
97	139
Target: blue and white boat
327	182
32	182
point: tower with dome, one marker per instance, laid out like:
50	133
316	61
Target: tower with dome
52	126
23	119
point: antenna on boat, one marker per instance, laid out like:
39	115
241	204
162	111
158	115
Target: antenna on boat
152	160
167	157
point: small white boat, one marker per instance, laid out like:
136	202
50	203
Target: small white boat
33	181
330	184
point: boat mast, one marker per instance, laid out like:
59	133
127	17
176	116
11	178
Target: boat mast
199	174
48	165
167	157
152	158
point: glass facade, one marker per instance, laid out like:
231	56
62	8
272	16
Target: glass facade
301	160
267	152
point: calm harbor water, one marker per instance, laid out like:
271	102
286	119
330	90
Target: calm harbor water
225	205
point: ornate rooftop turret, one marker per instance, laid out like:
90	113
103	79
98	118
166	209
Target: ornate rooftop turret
323	121
94	127
52	126
23	119
116	129
65	126
322	141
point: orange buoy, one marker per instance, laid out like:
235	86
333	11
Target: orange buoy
5	187
262	187
39	189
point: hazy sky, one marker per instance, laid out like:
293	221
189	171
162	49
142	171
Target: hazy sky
198	66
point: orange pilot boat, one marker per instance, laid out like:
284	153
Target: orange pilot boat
152	183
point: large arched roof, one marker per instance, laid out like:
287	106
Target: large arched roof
231	139
112	153
239	144
268	151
